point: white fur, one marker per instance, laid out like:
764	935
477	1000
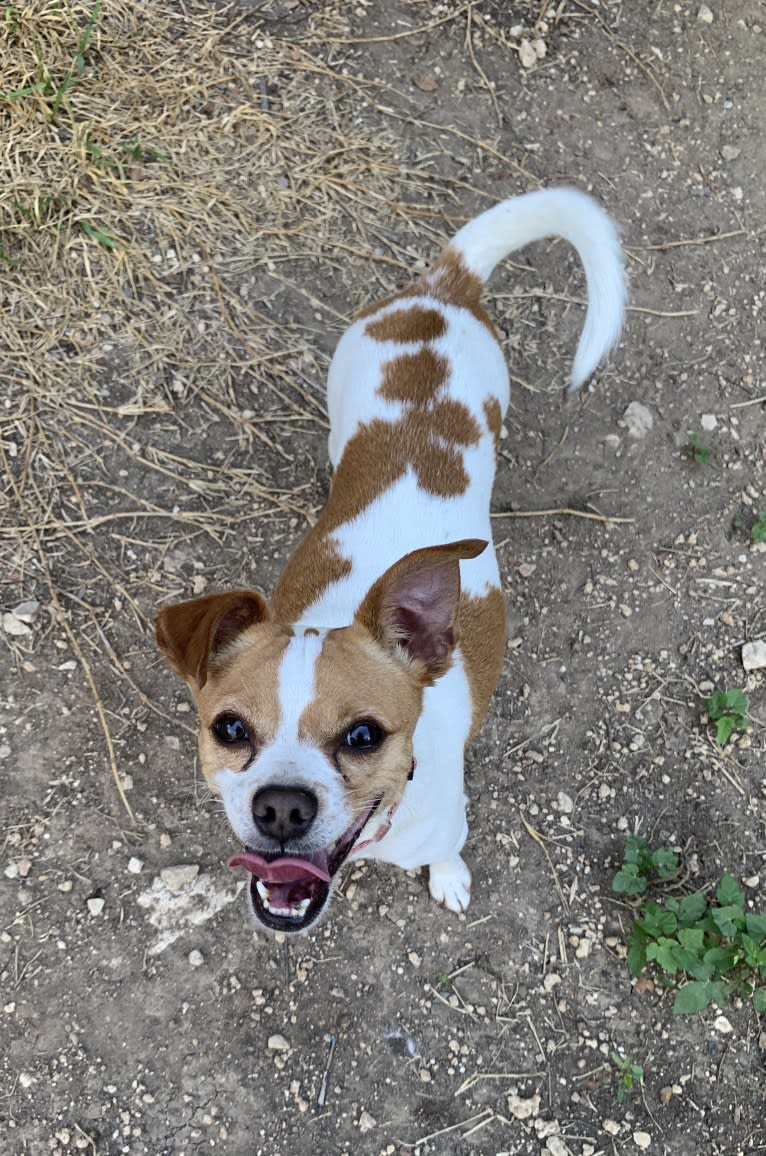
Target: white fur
578	219
430	825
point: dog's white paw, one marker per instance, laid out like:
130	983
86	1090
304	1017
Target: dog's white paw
450	884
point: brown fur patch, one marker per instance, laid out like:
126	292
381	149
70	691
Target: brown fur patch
412	324
494	416
427	440
357	680
415	377
247	686
314	565
481	623
430	437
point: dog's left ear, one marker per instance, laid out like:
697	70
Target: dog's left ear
191	634
413	606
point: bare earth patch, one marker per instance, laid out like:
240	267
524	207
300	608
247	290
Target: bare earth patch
193	201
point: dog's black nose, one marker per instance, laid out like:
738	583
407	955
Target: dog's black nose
284	813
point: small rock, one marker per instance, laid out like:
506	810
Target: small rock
522	1109
611	1127
367	1122
196	958
179	877
27	611
704	15
752	881
24	866
708	421
135	866
642	1139
278	1043
730	152
527	54
666	1094
638	420
96	905
14	626
722	1025
565	803
26	1080
754	655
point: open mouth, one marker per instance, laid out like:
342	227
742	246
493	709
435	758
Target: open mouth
288	892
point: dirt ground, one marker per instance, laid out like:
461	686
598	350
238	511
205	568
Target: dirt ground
186	228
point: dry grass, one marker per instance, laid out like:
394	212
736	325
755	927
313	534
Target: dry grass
167	179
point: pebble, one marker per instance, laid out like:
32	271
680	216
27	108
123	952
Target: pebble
638	420
642	1139
522	1109
708	421
196	958
278	1043
556	1146
96	905
527	55
611	1127
176	878
367	1122
730	152
704	15
722	1025
135	866
565	803
754	655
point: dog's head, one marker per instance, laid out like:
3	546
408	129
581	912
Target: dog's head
307	733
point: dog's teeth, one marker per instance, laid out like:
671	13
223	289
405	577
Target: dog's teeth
262	890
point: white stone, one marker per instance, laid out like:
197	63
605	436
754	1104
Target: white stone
704	15
642	1139
754	655
135	866
638	420
723	1025
278	1043
527	54
179	877
565	803
708	421
367	1122
522	1109
95	906
196	958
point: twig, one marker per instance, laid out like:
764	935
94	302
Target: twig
321	1098
563	510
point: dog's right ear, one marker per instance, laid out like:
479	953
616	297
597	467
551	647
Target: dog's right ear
192	634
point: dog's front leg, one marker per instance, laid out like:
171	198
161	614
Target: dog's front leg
450	883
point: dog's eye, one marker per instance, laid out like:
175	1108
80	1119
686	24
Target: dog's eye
230	730
363	736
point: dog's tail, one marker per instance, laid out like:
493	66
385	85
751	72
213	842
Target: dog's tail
566	213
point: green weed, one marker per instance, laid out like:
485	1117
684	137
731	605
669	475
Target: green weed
708	950
629	1073
640	863
727	709
698	451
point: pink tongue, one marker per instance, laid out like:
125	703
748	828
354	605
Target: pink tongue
286	870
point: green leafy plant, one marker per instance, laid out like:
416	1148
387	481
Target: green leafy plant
698	451
708	950
629	1073
640	863
727	709
46	86
758	528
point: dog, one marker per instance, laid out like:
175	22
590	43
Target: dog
334	717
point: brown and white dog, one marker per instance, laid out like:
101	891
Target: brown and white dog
334	718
